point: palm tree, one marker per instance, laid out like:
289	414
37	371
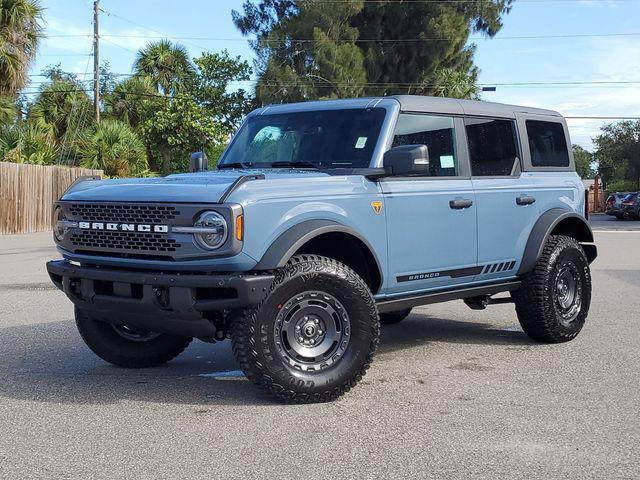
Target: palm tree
63	107
115	148
167	66
20	32
455	84
165	63
131	100
8	110
25	142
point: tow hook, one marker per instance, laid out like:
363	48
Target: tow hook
161	296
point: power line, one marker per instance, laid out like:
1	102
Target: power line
364	40
598	117
401	2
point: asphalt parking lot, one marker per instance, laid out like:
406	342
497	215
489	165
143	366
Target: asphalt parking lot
453	393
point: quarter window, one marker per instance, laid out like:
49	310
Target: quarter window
547	144
492	146
437	133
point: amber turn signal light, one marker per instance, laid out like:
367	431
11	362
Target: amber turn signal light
240	227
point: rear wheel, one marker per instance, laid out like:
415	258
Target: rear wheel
553	302
390	318
315	334
127	346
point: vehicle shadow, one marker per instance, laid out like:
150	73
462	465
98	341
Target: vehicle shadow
48	362
420	328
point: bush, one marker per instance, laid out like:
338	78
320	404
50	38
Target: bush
113	147
27	143
621	186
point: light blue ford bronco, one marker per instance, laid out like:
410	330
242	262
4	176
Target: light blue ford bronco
322	221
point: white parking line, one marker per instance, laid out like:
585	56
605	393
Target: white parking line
616	231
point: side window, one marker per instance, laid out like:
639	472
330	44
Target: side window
437	133
547	144
492	146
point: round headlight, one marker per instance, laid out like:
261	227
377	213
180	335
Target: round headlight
214	230
59	227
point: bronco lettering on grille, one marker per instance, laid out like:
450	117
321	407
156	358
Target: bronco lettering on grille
124	227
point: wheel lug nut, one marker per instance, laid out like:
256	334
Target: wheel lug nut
316	321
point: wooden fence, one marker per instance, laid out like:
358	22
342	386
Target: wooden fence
28	192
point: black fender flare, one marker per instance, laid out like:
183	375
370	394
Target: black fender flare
547	222
283	247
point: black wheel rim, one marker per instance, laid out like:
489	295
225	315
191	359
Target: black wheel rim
134	334
568	293
312	331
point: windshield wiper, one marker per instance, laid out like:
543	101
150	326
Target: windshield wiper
296	164
235	165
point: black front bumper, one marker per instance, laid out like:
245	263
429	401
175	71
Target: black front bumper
172	303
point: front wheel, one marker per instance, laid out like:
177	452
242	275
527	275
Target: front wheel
127	346
553	301
314	335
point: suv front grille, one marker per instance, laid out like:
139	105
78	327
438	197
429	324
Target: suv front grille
150	214
130	241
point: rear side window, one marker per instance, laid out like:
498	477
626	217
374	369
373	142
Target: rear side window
437	133
547	144
492	146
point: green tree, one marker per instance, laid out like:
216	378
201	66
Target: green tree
165	63
584	160
202	111
115	148
64	110
167	66
132	100
618	152
304	49
455	84
20	32
8	110
307	50
24	142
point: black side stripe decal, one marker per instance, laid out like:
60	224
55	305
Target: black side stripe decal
459	272
455	273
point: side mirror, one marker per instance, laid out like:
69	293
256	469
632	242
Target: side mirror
198	162
406	160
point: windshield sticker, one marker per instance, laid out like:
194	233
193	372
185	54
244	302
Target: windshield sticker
362	141
446	161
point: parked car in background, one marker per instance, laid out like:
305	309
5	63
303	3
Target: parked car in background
614	204
631	206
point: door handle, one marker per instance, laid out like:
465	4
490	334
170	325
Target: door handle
525	200
460	203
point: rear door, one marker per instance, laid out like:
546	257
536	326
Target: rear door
431	220
506	202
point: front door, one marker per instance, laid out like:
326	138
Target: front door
431	220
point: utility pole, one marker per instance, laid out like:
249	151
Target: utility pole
96	61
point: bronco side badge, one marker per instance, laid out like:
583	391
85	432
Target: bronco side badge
377	207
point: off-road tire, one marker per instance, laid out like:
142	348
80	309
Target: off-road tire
259	350
537	299
110	346
390	318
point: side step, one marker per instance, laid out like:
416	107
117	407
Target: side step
400	303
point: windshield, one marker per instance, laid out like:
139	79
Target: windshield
322	139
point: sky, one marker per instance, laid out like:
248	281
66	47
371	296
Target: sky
610	54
